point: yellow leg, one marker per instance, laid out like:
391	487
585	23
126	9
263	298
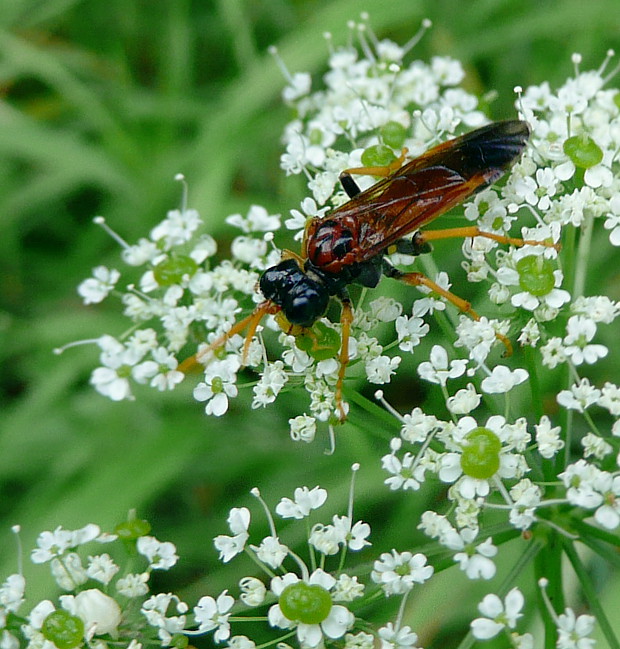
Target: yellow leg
474	231
346	318
251	322
417	279
384	171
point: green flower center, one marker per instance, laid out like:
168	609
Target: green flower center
132	529
319	342
172	270
378	155
583	151
480	456
63	629
305	603
393	134
536	275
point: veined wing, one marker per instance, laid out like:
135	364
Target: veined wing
431	184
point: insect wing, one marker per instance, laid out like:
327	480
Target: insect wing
433	183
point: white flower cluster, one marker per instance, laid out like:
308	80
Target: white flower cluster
103	599
308	600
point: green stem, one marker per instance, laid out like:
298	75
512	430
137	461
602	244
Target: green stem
583	256
591	595
586	530
549	566
534	383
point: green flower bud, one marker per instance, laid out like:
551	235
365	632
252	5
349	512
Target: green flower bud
63	629
393	134
480	456
305	603
172	269
583	151
320	342
378	155
536	275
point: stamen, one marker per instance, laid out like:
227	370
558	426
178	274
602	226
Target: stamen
518	90
273	50
354	469
576	58
427	23
76	343
543	583
608	56
101	222
379	397
332	440
181	178
615	70
366	49
272	526
16	529
329	40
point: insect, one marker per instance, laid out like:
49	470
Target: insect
350	244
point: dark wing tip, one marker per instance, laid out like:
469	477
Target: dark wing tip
492	148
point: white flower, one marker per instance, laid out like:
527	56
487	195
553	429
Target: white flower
257	220
51	544
96	288
380	369
502	379
610	398
161	555
581	480
271	551
464	401
474	560
432	303
498	615
573	631
410	332
253	591
580	331
162	370
219	385
271	382
336	623
305	500
12	593
437	370
230	546
596	446
303	428
157	609
213	614
177	228
526	497
397	572
579	397
102	568
548	438
133	585
397	638
100	613
353	535
608	514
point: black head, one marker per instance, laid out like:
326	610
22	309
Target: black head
302	300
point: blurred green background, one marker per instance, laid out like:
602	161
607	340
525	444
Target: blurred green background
101	104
